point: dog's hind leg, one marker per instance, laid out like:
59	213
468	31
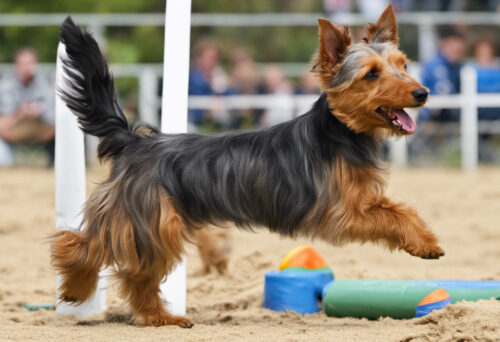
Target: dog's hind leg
140	282
142	290
78	261
214	246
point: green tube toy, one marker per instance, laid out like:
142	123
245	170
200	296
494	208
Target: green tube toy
400	299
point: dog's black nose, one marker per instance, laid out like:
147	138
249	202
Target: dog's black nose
420	95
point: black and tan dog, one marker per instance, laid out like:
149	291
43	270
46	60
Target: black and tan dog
315	176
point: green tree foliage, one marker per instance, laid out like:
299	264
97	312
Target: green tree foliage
145	44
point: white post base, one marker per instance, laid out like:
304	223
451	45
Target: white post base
173	291
92	306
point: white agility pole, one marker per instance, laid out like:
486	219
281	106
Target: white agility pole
70	188
468	118
174	116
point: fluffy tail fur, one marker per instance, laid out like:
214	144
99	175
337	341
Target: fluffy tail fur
89	92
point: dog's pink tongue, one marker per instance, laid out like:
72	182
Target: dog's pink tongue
406	121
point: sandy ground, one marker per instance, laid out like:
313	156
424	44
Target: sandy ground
464	210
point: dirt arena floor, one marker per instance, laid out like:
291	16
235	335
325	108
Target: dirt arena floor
464	210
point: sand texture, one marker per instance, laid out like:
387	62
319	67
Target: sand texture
463	210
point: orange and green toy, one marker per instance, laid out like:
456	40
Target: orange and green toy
304	258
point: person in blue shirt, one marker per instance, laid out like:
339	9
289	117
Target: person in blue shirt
488	74
488	81
442	73
201	76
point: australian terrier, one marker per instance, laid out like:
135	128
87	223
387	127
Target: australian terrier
318	175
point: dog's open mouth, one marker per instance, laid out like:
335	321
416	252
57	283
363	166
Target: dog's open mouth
398	118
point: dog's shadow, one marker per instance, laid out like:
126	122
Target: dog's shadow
112	316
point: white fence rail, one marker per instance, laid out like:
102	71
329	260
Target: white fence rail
245	19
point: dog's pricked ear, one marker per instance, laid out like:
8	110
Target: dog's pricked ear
333	42
385	30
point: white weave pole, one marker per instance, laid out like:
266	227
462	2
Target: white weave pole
468	118
70	188
174	116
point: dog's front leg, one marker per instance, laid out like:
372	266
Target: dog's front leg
398	226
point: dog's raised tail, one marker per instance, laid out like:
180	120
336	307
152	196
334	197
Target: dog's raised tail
87	89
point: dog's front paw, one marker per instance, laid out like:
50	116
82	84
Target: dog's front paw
434	253
424	245
425	251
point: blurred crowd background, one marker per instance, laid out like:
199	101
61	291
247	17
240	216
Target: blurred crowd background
227	61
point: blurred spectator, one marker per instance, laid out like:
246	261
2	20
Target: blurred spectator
372	8
274	82
206	76
308	84
243	80
26	107
442	74
484	54
488	81
337	6
488	75
402	5
244	75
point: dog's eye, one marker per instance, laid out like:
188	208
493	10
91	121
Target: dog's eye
406	67
371	75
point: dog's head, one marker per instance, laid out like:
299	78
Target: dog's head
367	83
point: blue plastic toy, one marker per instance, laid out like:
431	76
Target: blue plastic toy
296	291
